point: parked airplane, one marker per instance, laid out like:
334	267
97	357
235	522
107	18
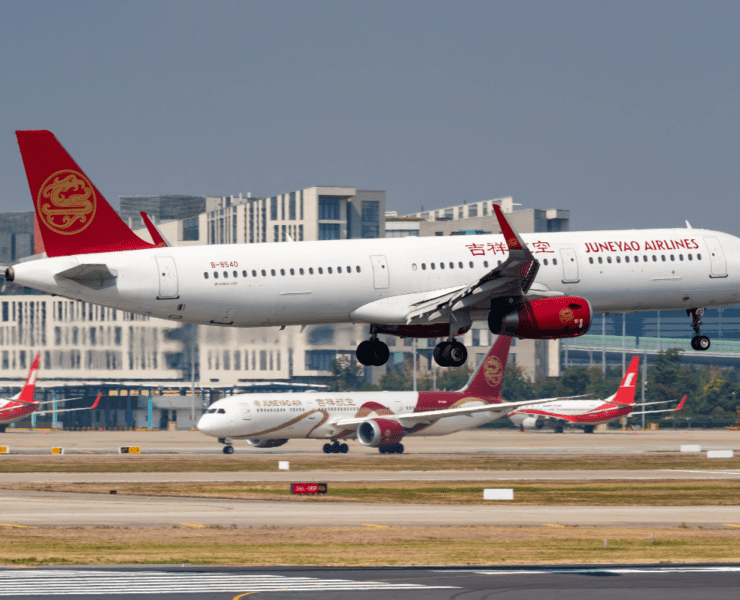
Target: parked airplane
22	404
546	288
378	419
586	413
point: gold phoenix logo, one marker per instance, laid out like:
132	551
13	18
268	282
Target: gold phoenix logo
513	242
493	371
566	316
66	202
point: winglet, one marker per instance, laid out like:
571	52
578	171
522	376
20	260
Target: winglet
680	404
26	395
157	237
96	401
513	241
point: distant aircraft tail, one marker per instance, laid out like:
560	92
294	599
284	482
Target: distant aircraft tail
73	217
487	379
626	392
28	390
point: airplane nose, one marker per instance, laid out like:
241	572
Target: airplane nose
205	425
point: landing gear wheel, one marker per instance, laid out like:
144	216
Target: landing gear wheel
700	342
456	354
327	448
559	429
228	449
343	448
399	448
336	448
588	429
372	353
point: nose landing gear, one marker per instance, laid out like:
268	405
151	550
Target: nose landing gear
698	342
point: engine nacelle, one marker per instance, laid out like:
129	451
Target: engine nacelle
380	432
267	443
546	318
533	423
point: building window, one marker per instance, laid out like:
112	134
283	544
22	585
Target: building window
320	360
328	209
370	219
328	231
190	229
472	211
291	207
273	209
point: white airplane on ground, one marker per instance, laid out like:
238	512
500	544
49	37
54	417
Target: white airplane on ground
22	404
564	412
378	419
536	286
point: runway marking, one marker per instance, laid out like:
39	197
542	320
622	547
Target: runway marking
702	472
245	594
374	525
552	525
191	525
13	525
616	570
44	583
730	525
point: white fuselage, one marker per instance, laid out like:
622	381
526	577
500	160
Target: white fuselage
313	415
327	282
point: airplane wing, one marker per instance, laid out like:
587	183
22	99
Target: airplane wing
512	278
47	412
665	410
411	419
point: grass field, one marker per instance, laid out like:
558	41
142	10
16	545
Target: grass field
367	545
575	493
406	462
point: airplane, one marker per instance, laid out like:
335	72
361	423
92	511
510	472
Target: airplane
377	419
586	413
22	404
537	286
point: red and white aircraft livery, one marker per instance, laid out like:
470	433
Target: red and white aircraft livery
378	419
22	404
538	286
586	413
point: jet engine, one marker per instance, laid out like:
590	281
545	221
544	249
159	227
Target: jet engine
380	432
533	423
267	443
545	318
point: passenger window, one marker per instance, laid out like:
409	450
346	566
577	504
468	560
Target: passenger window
413	267
339	269
600	260
554	261
254	273
205	275
282	271
441	265
471	264
545	262
432	266
310	270
691	257
680	257
349	269
655	258
608	259
662	257
619	259
485	264
452	265
698	256
321	271
590	259
358	269
292	271
226	274
423	266
236	274
644	258
460	264
244	273
300	271
272	271
626	259
215	274
499	263
328	270
264	273
673	258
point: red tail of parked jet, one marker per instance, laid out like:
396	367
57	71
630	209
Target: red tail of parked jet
487	379
73	216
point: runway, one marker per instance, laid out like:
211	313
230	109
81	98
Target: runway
607	582
77	510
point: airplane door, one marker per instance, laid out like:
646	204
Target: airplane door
381	277
570	265
167	277
246	415
716	258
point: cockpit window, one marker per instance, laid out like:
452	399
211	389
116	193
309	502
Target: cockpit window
211	411
221	411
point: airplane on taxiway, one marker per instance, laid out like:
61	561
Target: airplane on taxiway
22	404
377	419
565	412
535	286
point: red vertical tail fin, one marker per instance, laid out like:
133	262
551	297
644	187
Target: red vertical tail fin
487	379
73	216
28	390
626	392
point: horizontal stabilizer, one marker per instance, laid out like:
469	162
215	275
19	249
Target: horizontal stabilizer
95	276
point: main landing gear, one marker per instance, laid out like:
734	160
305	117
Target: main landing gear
336	448
372	352
450	353
392	449
698	342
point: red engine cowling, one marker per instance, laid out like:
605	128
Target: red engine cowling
380	432
546	318
266	443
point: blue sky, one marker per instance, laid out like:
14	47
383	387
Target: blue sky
624	112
